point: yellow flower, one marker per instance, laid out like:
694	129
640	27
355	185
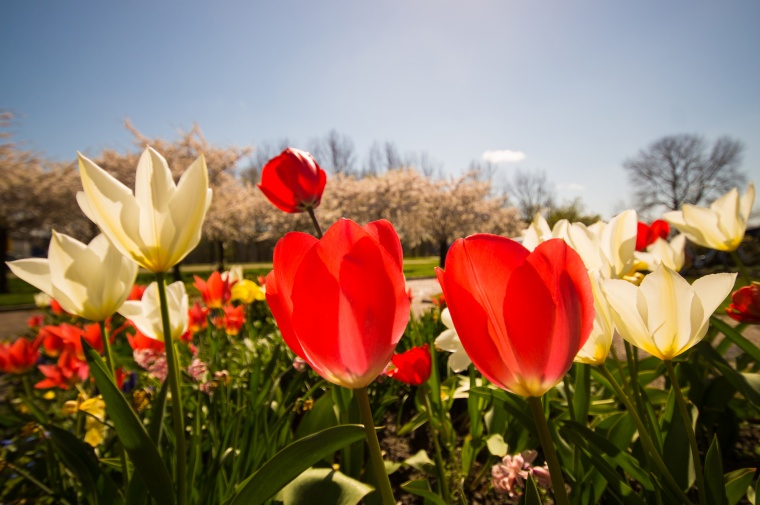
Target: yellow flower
91	281
146	313
160	223
247	292
666	316
721	226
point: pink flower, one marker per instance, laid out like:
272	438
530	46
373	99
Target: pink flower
197	370
509	476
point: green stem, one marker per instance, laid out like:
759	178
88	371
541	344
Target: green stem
544	435
381	476
174	384
31	478
741	267
314	221
646	440
443	483
29	400
689	432
112	370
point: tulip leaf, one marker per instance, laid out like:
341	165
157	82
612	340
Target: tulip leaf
422	462
737	338
531	492
80	459
292	461
131	431
716	493
581	397
748	386
736	483
616	483
324	485
421	487
676	452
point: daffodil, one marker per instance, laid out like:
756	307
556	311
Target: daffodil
160	223
666	316
146	313
597	347
721	226
91	281
247	291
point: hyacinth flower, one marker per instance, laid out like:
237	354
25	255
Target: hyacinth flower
341	305
521	316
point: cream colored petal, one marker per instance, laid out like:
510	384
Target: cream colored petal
146	313
708	232
459	361
188	208
669	300
71	274
730	220
178	307
712	290
678	246
618	241
35	271
84	205
623	298
692	231
114	208
747	201
448	341
446	319
154	185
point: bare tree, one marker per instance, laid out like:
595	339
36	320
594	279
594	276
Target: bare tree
531	192
335	153
680	169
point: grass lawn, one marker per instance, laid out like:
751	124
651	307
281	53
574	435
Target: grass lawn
22	293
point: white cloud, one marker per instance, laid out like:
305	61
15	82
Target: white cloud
572	186
503	156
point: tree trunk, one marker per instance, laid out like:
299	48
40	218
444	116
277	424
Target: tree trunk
220	255
4	273
443	248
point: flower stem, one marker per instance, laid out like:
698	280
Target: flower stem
443	482
29	400
314	221
174	384
689	432
555	470
741	267
381	476
646	440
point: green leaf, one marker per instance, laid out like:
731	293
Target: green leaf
676	452
320	417
713	471
292	461
421	487
749	388
80	458
131	431
324	485
736	483
531	492
422	462
736	337
616	483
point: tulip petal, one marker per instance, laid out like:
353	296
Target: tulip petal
553	286
627	305
386	236
477	272
35	271
188	208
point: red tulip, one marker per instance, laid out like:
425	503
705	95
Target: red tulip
521	316
140	342
233	319
197	318
19	356
137	292
69	337
745	304
648	234
293	181
411	367
215	292
68	371
341	301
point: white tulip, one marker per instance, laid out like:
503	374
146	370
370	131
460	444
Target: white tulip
721	226
666	316
597	347
661	251
537	232
91	281
449	341
158	225
146	313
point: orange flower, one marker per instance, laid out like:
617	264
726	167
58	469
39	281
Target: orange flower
197	318
19	356
215	291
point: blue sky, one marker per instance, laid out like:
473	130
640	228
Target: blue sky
576	86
